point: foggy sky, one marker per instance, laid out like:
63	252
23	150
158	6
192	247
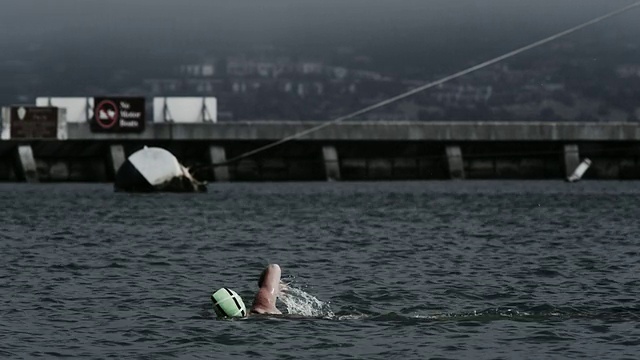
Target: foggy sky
285	20
399	28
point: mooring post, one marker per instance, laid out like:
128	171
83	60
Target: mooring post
217	155
331	162
117	157
455	162
571	159
26	168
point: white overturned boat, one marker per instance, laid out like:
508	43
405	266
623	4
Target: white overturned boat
153	169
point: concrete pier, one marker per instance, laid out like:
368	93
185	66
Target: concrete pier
217	155
350	151
331	162
26	168
570	132
456	164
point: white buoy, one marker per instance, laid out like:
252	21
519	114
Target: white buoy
579	171
155	169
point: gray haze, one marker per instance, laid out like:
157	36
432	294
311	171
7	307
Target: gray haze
370	23
76	47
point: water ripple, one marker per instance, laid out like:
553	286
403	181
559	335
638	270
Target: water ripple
412	270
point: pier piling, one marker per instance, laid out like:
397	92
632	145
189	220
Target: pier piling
217	154
455	161
331	162
26	168
571	158
117	157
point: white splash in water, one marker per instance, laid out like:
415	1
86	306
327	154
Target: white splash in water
301	303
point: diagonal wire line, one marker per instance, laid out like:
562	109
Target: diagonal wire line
431	84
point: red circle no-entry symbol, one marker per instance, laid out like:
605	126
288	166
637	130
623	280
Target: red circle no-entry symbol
107	114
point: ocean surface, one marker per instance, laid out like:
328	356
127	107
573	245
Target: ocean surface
378	270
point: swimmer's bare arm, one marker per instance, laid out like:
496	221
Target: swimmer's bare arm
270	288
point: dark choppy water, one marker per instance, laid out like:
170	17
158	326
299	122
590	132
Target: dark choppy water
457	270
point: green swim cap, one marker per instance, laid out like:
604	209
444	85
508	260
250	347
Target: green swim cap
227	303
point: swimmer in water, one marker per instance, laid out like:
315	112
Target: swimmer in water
227	303
270	287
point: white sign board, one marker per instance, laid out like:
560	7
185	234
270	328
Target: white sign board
6	124
185	109
79	109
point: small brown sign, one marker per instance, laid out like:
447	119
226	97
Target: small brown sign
31	122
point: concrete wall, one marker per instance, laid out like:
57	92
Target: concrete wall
359	151
380	131
355	160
